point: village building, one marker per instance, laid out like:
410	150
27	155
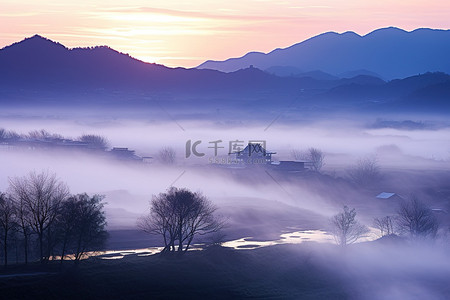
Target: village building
253	154
388	196
124	154
289	166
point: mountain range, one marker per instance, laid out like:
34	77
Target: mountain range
41	64
38	69
390	53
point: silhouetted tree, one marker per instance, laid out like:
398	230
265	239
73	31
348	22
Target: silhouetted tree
345	228
23	220
39	197
385	225
66	225
217	238
416	219
366	172
167	155
317	159
313	155
7	222
44	135
95	141
178	216
81	225
2	134
11	135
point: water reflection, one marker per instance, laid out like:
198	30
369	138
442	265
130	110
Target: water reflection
119	254
247	243
295	237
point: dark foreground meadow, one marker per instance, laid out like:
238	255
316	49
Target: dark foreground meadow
376	270
219	273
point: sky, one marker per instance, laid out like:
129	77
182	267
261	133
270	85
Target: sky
187	33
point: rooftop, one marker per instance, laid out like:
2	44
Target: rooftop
385	195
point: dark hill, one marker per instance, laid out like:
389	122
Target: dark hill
38	68
390	52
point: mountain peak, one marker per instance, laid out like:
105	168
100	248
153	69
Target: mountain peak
37	36
36	42
41	40
387	30
390	52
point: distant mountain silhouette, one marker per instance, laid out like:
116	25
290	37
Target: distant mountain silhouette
390	52
354	73
283	71
37	69
317	74
430	90
41	64
38	61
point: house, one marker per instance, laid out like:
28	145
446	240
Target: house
6	146
289	166
124	154
252	154
147	159
71	144
439	211
388	196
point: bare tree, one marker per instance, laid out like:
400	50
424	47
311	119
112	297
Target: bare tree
81	225
11	135
161	220
313	155
317	158
167	155
94	141
345	228
217	238
366	172
23	217
39	196
7	222
385	225
66	225
300	155
44	135
2	134
178	216
416	219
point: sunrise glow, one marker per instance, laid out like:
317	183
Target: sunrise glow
179	33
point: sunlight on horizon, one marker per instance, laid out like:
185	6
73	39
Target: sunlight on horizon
188	34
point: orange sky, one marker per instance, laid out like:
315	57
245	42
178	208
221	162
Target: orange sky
186	33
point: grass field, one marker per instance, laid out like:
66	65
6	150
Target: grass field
217	273
372	270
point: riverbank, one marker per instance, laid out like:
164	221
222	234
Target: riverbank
383	269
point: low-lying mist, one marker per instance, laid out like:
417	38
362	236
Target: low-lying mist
340	135
262	203
129	186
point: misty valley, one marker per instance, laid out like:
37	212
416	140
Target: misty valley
247	178
273	208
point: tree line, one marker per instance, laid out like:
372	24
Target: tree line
41	220
413	219
92	140
364	174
